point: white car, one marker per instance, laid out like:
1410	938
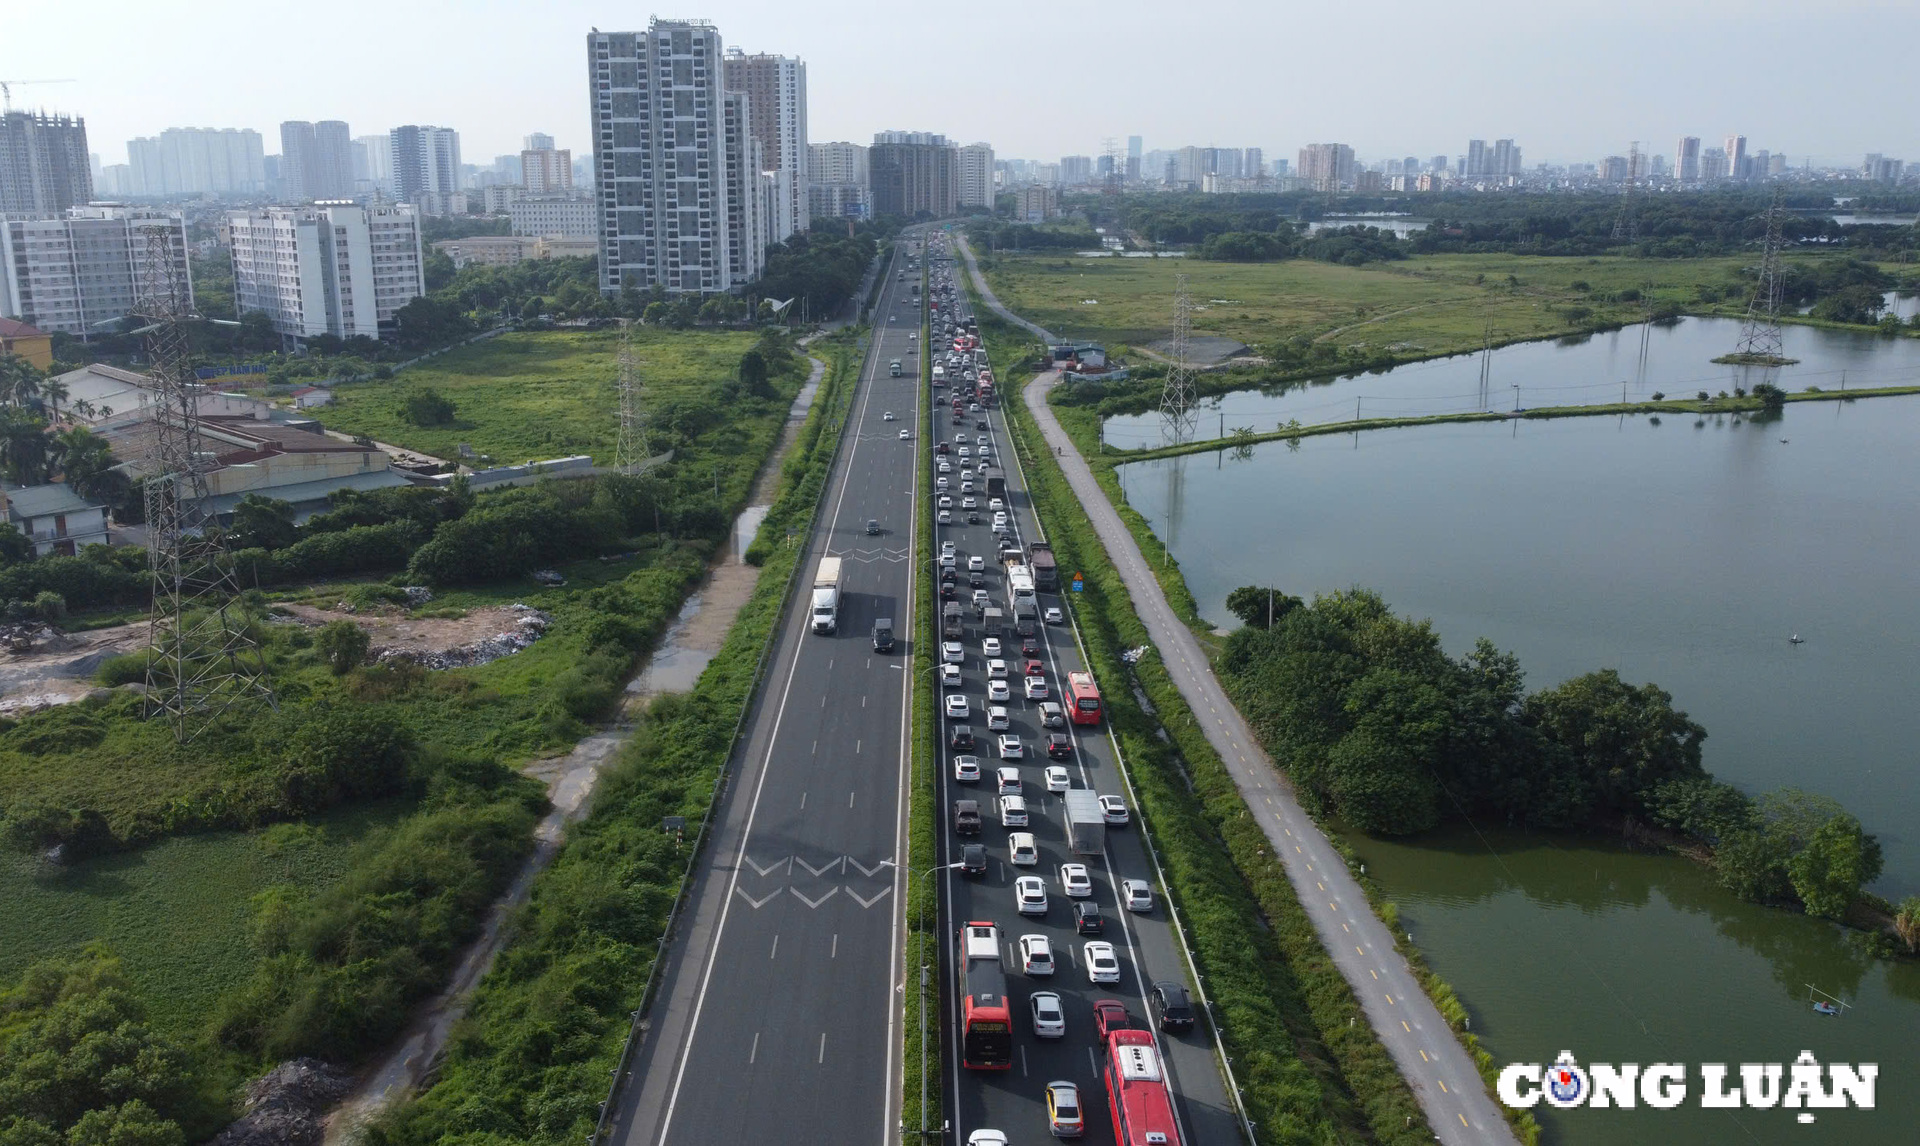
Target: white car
1009	781
997	717
990	647
887	416
996	505
984	1137
1013	811
999	692
950	677
957	706
940	484
965	485
952	652
906	435
1022	851
946	547
948	559
1036	688
996	669
1053	615
966	769
966	472
965	451
1049	1022
1136	894
1012	749
1057	779
960	437
945	501
981	599
946	517
969	503
1030	895
1036	955
1075	881
976	564
1103	966
945	467
1113	809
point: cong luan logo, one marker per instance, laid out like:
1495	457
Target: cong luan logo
1805	1085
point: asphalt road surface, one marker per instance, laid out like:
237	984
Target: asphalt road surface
777	1018
1147	944
1429	1057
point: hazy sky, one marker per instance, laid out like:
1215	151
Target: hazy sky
1568	80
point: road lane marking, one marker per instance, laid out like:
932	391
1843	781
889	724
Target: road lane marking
755	1052
1403	1025
1389	1000
849	799
1373	972
1443	1085
835	953
803	801
1346	929
1423	1056
776	948
1356	947
823	1049
1463	1120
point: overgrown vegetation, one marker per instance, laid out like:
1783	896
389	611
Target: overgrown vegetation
531	1063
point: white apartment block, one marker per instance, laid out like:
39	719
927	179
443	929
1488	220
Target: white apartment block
976	175
539	217
426	167
495	200
197	161
776	90
751	210
331	268
544	171
74	272
671	160
839	163
840	201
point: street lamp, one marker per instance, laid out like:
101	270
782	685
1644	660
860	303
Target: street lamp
929	873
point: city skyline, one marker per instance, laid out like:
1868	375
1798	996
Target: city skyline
476	82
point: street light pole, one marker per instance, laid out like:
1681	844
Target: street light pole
928	874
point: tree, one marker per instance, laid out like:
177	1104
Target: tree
14	546
343	644
23	446
263	523
1906	923
429	321
19	380
428	407
1838	860
1752	864
1252	604
1622	739
85	461
753	373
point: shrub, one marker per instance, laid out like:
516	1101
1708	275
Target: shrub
343	644
345	753
49	606
429	407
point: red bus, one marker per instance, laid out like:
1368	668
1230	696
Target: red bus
1137	1092
986	1019
1085	696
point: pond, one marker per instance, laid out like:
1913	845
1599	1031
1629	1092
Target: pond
1573	371
1684	553
1400	225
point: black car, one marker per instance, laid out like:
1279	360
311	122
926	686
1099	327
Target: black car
982	424
973	517
960	738
973	859
1171	1005
873	527
1087	919
976	579
1059	746
949	591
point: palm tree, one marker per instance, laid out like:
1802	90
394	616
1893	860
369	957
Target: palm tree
53	392
19	380
85	460
23	446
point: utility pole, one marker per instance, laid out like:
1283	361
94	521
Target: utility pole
1760	339
1176	397
1626	225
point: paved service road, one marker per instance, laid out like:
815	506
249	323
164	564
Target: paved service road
777	1018
1430	1058
1148	945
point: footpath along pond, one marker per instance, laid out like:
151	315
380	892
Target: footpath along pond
1684	552
1577	371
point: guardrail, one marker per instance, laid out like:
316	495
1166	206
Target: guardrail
640	1025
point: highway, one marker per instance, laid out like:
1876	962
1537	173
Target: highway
1434	1063
777	1018
1147	944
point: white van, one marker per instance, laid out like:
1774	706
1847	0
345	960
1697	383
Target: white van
1013	811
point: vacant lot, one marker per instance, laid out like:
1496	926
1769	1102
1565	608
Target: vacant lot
1434	304
533	395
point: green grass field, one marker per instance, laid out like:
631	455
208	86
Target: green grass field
175	913
1436	304
533	395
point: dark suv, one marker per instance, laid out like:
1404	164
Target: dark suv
966	817
960	738
1169	1001
973	859
1087	919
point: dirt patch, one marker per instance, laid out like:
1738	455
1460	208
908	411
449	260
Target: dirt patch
439	642
286	1106
59	669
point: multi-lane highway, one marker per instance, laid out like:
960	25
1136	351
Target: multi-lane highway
1147	944
778	1017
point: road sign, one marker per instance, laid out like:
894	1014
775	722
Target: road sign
1079	582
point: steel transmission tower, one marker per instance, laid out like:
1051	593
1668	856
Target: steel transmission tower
1760	342
1626	225
630	448
204	661
1176	397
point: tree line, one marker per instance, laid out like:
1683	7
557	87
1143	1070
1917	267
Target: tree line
1377	724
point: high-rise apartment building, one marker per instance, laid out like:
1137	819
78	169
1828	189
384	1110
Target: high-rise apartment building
316	160
1076	169
1133	146
1326	166
545	171
915	173
1253	164
671	156
1476	165
74	271
976	175
328	268
1736	157
45	167
1505	159
1713	164
838	163
1036	203
197	161
373	163
426	166
1686	159
536	141
776	90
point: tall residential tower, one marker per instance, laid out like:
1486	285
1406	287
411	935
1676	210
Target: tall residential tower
776	90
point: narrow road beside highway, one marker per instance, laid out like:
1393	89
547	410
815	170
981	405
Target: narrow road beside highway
1434	1063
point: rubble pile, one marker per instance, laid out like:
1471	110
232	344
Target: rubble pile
529	626
288	1105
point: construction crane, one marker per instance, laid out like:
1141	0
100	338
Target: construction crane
7	86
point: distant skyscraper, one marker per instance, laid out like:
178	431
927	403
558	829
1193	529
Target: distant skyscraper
537	141
776	89
671	155
1326	166
1133	147
838	163
426	166
1253	164
1438	163
544	171
316	160
373	162
1713	164
1686	159
198	161
976	175
1476	164
1736	157
1410	165
1076	169
915	173
1505	159
44	164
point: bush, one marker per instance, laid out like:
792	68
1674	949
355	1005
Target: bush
335	754
429	407
343	644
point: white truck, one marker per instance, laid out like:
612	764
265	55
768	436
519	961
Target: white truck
1086	823
826	596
